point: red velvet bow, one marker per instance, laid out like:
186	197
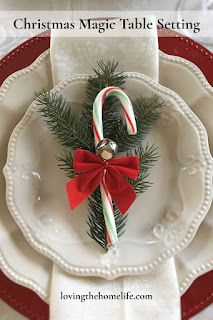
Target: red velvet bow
91	169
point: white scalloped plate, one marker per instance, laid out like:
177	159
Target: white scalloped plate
189	265
17	259
37	200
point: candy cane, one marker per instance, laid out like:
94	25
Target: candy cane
112	237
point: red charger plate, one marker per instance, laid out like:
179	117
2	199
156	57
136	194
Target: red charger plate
200	294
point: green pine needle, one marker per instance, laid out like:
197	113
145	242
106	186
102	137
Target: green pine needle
66	163
62	121
105	76
147	112
148	156
96	223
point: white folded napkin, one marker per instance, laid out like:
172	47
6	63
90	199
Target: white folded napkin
159	296
78	55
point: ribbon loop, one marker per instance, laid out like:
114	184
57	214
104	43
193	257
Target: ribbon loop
91	169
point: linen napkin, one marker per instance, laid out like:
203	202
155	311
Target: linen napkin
158	291
78	55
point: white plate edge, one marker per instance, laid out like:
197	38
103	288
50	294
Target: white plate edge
4	265
191	67
18	74
22	280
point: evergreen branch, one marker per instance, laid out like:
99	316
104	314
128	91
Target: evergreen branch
96	223
66	163
147	112
148	156
62	121
104	77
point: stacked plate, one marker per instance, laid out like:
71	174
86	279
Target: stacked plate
34	213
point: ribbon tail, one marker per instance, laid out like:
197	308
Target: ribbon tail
75	196
123	196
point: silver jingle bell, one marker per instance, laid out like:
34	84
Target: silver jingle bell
106	149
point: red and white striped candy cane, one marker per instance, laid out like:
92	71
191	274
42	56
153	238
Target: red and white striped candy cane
112	237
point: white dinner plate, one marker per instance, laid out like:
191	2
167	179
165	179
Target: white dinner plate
37	201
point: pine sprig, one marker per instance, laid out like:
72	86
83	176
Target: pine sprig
62	121
105	76
96	223
66	163
147	112
148	156
76	131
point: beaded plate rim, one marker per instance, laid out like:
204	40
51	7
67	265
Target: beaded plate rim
113	272
4	265
207	265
